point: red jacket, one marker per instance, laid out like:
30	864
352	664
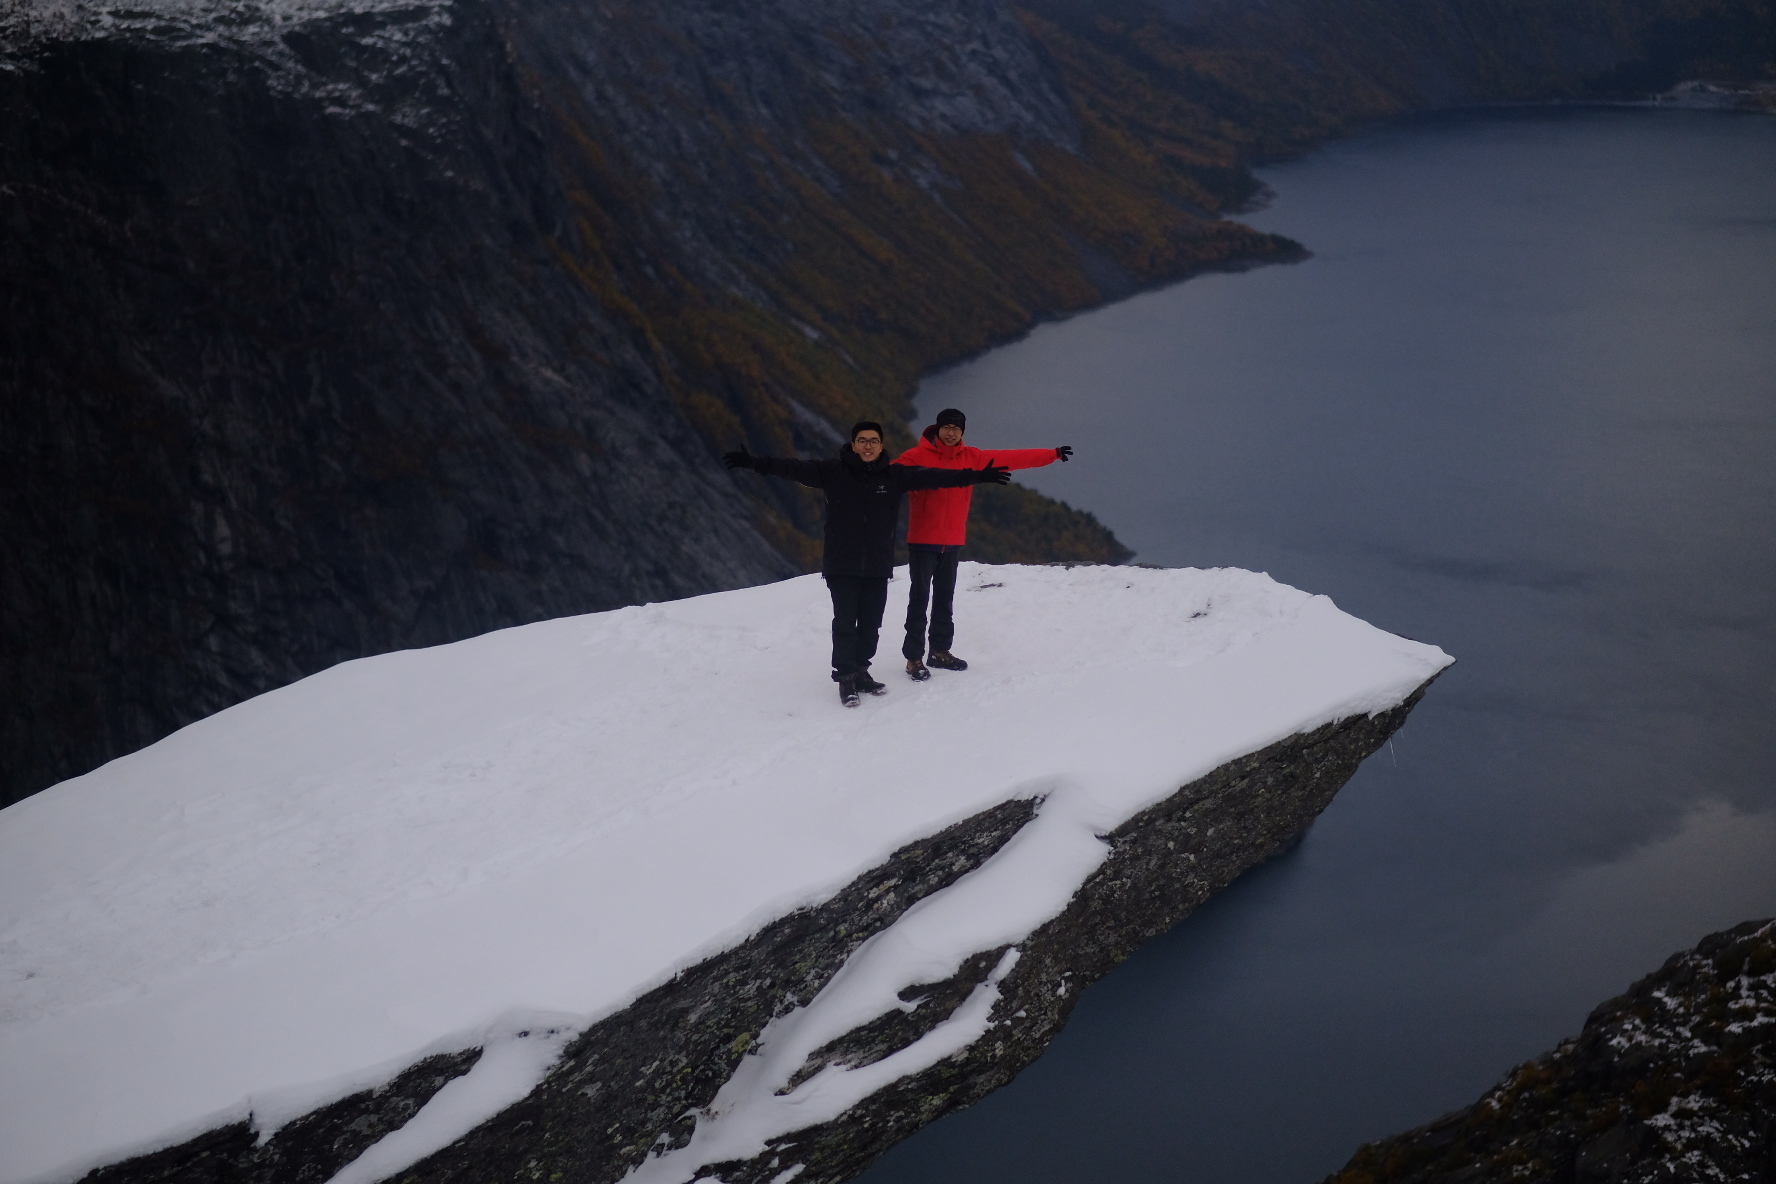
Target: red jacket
940	516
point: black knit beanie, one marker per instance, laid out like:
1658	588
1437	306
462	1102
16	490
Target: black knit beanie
950	415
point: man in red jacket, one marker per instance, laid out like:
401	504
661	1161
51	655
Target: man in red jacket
939	527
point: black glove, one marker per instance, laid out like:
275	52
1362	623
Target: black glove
1065	452
739	459
992	474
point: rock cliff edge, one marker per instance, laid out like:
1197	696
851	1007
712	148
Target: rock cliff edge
632	896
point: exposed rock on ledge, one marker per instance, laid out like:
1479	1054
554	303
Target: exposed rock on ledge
636	1081
1705	95
1673	1081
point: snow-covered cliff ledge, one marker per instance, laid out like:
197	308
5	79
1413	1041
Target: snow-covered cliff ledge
689	911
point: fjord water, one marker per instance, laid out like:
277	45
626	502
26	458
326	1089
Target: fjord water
1521	403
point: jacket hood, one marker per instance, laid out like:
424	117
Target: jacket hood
851	460
928	439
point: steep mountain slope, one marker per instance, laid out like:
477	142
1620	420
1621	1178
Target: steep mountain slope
335	332
334	327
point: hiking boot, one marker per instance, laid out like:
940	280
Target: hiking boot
848	692
868	685
916	670
945	660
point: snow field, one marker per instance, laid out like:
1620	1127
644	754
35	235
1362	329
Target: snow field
520	833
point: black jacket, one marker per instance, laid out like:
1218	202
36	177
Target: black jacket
862	504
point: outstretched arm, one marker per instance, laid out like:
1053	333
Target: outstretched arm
1025	458
789	468
918	477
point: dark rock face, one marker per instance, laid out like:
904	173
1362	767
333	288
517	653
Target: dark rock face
635	1081
1673	1081
380	326
286	387
308	1151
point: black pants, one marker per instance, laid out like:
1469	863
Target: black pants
934	578
857	621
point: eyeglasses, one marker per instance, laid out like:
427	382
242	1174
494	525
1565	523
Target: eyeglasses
867	440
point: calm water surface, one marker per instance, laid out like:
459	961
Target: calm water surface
1522	404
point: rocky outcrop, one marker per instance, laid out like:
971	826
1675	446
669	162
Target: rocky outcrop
636	1081
1701	94
1673	1081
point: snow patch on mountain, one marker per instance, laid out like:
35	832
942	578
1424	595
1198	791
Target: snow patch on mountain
499	842
256	23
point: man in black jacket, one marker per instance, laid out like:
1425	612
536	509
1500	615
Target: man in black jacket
863	493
